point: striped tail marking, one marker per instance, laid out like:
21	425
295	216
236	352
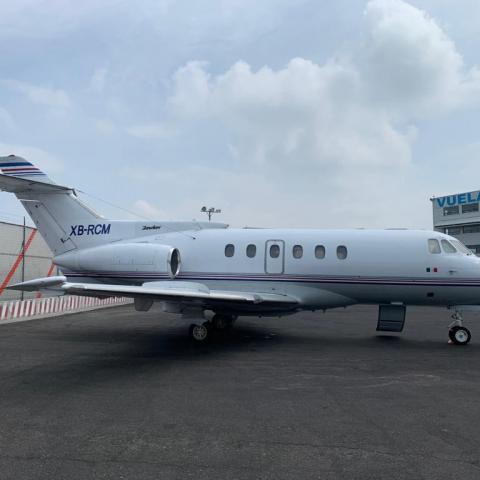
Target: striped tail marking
19	168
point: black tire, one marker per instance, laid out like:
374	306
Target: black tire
197	333
223	322
220	322
459	335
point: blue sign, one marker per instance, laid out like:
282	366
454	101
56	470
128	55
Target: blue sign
98	229
460	199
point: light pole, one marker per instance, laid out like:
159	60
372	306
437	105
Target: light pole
210	211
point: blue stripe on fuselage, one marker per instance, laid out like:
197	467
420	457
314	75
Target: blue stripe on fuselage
419	281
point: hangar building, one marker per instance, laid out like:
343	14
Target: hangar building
459	215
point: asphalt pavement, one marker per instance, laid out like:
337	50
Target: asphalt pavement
115	394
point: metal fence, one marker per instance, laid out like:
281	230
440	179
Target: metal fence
24	255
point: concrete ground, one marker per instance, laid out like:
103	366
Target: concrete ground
112	394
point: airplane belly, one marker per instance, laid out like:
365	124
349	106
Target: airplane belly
412	294
316	297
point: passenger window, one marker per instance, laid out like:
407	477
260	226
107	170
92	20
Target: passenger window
251	250
448	247
297	251
274	251
342	252
320	251
229	250
433	246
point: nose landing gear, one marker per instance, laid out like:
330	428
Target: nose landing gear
458	334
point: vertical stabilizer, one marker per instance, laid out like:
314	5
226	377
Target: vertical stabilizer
53	208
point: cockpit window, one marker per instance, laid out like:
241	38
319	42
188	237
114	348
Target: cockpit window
461	247
434	246
448	247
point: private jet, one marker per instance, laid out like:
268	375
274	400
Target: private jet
209	274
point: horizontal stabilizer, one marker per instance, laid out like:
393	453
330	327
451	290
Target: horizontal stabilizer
20	175
12	184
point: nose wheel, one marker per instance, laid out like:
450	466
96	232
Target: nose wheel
458	334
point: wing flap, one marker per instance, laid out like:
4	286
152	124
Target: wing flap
161	291
200	294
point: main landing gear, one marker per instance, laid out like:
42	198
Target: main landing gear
458	334
199	333
201	330
223	322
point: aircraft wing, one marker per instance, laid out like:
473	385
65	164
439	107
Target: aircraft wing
174	291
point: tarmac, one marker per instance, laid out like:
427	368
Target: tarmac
115	394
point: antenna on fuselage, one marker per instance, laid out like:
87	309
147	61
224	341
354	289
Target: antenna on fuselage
210	211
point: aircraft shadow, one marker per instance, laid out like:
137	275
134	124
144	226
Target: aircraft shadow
121	354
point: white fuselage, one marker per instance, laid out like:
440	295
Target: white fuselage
381	266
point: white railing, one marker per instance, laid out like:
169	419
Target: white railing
51	306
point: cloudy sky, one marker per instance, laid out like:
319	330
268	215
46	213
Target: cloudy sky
281	112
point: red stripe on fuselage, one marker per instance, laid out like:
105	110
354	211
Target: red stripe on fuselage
20	169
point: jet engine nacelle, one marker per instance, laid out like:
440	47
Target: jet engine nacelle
123	257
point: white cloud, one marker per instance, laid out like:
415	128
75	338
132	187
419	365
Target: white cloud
466	161
35	19
406	67
105	126
192	89
409	62
146	209
338	135
259	200
41	95
6	119
46	161
99	80
305	116
309	141
150	131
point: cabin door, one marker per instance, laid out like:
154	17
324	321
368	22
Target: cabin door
274	256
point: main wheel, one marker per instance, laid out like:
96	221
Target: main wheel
223	322
199	333
220	322
459	335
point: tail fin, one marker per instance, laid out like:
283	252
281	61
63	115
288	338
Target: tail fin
53	208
